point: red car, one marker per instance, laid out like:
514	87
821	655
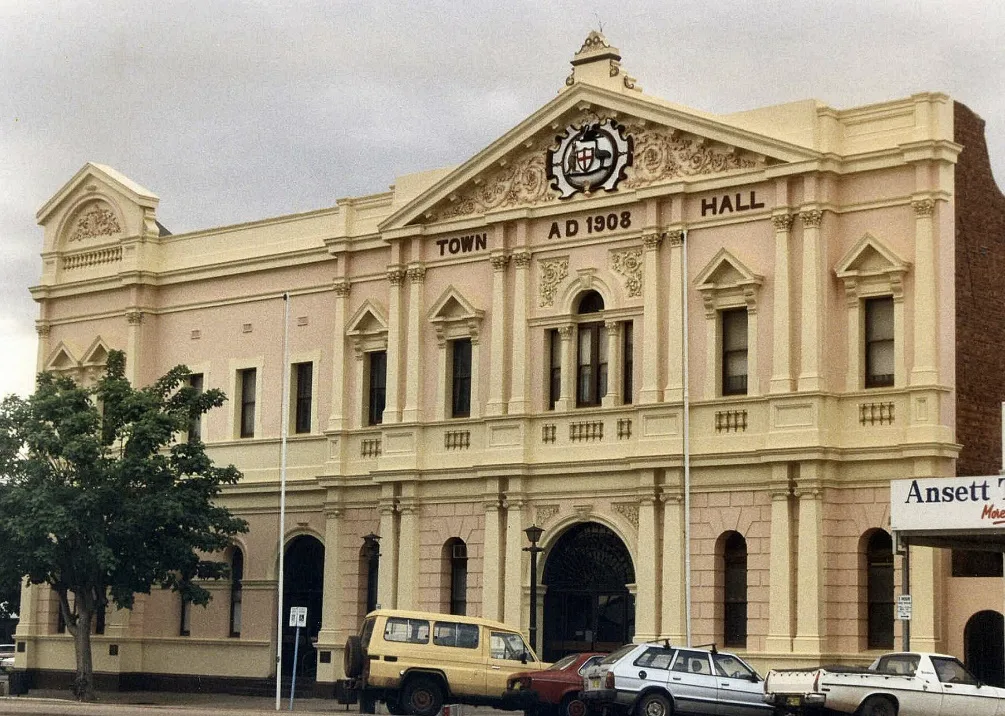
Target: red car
554	691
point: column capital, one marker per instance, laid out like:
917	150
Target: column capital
652	240
613	327
676	238
42	328
342	287
492	504
499	261
782	222
521	259
812	218
134	318
396	275
416	273
565	332
923	207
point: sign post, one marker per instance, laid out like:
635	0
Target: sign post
298	618
904	607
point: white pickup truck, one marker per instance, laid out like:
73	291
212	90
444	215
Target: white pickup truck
903	684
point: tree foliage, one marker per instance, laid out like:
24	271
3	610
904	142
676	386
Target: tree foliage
102	501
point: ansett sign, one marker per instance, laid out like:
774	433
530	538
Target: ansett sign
948	503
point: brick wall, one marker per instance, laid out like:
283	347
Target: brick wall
980	301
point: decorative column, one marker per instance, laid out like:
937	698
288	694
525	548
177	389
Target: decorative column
809	601
615	379
519	398
497	357
780	576
674	391
336	418
42	328
392	401
650	392
492	563
513	595
781	353
672	599
408	554
133	337
387	571
567	394
926	296
812	309
413	374
926	588
333	598
646	577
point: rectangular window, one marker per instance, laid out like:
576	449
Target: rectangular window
734	352
591	377
304	374
974	563
195	422
555	368
628	346
377	388
879	342
248	379
460	391
185	625
464	636
411	631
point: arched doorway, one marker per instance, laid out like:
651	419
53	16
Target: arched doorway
984	647
303	586
587	606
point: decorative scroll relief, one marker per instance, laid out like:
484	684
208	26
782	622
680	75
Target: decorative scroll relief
522	181
628	263
629	511
553	272
663	153
544	514
97	220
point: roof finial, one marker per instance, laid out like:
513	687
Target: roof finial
598	63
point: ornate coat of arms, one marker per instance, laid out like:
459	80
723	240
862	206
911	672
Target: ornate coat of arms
590	157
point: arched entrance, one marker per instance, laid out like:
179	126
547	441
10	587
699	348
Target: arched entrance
984	647
303	586
587	606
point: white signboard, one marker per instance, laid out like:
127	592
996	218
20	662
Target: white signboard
904	607
298	616
948	503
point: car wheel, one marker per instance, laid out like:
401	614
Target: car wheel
394	708
654	705
423	696
572	705
352	657
878	706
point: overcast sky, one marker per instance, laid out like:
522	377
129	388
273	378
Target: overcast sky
234	111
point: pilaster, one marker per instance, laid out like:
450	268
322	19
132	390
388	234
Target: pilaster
674	390
650	392
496	404
813	301
413	375
519	399
809	601
781	348
336	418
331	635
926	588
408	554
672	599
392	400
42	328
134	337
567	394
513	596
780	594
615	347
646	573
387	571
492	560
926	320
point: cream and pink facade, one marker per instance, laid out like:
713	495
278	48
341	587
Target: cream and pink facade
791	220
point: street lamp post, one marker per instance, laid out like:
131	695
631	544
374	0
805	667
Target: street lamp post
533	534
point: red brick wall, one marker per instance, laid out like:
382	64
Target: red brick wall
980	301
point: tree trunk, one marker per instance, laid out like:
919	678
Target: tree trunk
83	684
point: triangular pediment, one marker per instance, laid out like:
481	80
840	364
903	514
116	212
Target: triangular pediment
452	306
96	355
100	181
369	319
870	257
61	359
669	143
726	271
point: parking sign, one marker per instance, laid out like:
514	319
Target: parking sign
298	616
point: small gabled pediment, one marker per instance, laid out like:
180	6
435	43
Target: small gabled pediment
726	271
62	360
96	356
452	306
870	257
368	320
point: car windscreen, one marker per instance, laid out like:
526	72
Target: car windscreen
615	655
563	662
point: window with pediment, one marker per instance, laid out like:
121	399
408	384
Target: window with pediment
367	334
457	326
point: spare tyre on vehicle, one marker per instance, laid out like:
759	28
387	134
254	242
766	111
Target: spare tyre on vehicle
352	657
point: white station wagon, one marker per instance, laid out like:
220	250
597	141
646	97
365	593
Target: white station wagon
660	680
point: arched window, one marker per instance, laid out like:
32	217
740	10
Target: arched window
236	591
456	561
591	360
734	554
879	590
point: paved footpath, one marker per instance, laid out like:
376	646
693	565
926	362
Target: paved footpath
162	703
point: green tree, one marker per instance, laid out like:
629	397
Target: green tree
102	501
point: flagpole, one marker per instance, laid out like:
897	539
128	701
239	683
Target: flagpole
283	422
687	446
